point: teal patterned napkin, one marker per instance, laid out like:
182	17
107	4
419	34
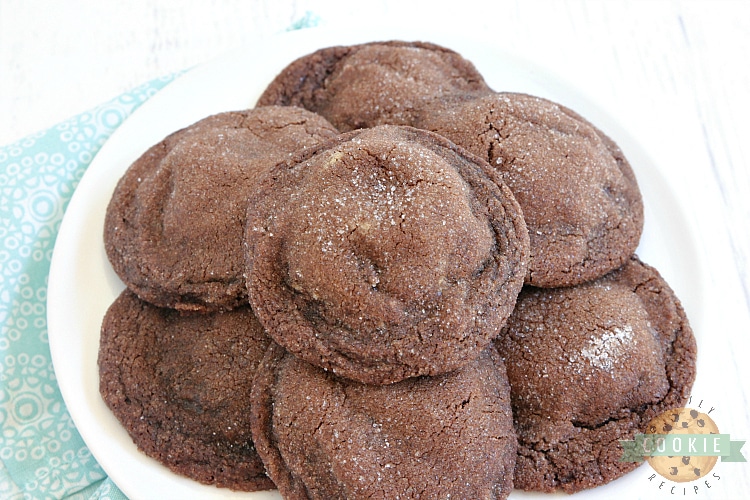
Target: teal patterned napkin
41	453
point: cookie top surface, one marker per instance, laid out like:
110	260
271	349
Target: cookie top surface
386	253
175	223
322	436
578	193
589	365
370	84
180	384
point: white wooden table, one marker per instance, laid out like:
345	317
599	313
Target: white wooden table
675	73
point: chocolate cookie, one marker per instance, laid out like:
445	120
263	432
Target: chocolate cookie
360	86
323	436
386	253
578	193
174	226
180	385
591	365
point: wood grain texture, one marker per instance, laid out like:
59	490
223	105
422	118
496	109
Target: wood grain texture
675	72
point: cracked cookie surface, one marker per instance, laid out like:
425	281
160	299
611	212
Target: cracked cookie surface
579	195
588	366
180	384
578	192
174	226
325	437
386	253
359	86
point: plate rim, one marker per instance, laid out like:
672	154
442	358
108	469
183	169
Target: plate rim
70	227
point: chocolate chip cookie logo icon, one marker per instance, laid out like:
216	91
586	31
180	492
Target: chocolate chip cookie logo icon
682	445
683	468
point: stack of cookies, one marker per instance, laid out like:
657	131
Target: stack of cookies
388	280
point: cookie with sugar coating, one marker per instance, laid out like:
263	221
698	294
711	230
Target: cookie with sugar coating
359	86
326	437
578	192
180	385
591	365
579	195
175	223
385	253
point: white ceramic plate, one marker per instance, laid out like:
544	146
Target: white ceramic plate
82	284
